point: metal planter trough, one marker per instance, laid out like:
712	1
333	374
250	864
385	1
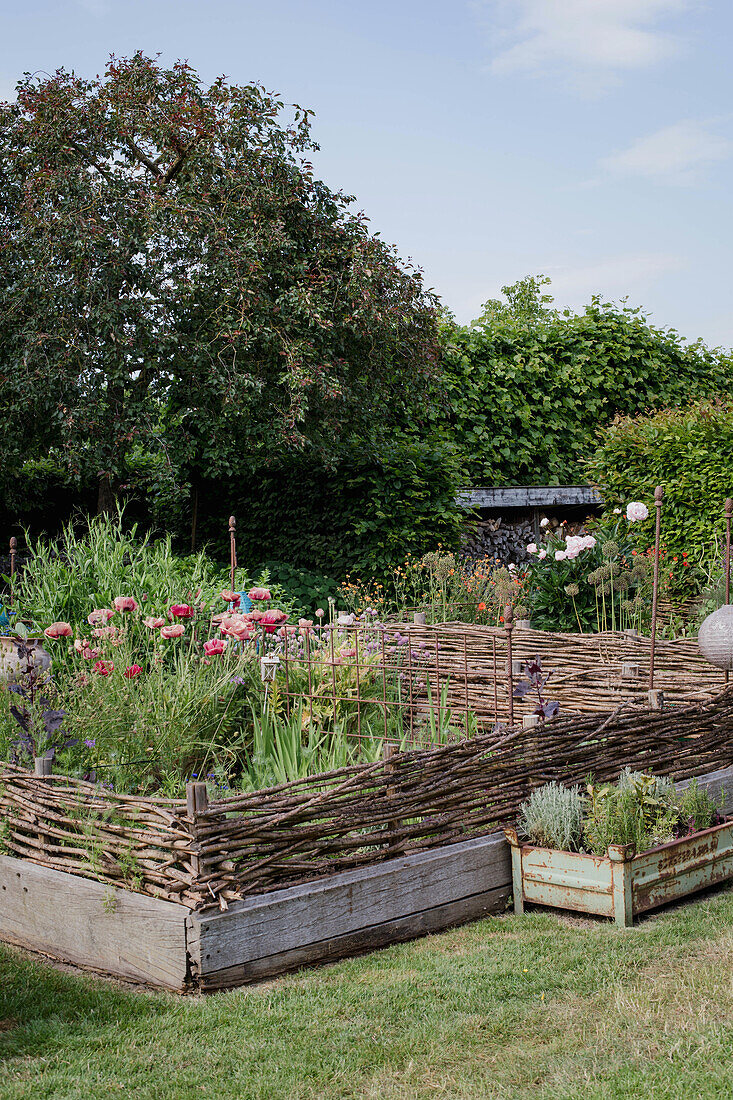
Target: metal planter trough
621	884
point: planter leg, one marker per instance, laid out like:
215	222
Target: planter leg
516	851
623	909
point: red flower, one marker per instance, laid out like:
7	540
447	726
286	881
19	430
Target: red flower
182	611
133	671
230	596
214	647
104	667
174	631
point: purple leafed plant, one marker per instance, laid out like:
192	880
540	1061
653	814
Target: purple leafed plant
535	682
40	732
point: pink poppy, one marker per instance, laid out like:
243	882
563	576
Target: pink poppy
255	616
154	624
104	667
133	671
214	647
173	631
230	597
58	630
124	603
305	626
100	615
260	594
181	611
272	619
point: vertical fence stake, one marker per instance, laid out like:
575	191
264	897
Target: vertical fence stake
465	677
509	626
653	700
496	677
197	802
388	751
232	550
43	769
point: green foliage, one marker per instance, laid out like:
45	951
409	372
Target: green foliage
697	807
689	451
526	387
552	817
637	811
305	589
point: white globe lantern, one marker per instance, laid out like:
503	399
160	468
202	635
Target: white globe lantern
715	637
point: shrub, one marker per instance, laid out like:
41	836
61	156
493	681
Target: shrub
689	452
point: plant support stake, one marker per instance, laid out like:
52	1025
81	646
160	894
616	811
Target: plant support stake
655	591
232	550
509	626
728	514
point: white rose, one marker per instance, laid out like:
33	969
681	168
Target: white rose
542	553
560	555
531	547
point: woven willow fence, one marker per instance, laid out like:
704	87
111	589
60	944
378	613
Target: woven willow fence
205	854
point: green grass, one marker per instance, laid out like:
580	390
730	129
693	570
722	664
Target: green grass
539	1006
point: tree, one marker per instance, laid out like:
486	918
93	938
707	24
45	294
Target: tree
176	280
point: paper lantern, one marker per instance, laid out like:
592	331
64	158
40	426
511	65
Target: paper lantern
715	637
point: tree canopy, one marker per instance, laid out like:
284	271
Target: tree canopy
175	279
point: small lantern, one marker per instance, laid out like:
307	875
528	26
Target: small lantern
715	637
268	667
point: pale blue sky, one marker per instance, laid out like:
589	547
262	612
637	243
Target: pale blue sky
591	140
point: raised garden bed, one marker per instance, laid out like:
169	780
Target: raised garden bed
198	894
620	884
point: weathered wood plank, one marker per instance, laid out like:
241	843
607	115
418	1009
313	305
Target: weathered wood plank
528	496
91	924
365	939
290	919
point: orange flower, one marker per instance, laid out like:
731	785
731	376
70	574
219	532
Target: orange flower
482	607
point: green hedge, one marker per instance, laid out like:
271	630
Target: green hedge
689	452
525	389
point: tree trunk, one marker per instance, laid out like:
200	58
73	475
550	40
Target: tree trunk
106	496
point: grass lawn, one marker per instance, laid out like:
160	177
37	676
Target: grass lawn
538	1006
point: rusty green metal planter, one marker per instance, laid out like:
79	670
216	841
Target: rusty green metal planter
621	884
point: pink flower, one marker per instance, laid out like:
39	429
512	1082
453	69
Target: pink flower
531	547
272	619
173	631
541	553
124	603
260	594
84	648
214	647
153	623
255	616
635	510
320	612
58	630
133	671
181	611
305	626
231	597
104	667
100	615
236	626
560	555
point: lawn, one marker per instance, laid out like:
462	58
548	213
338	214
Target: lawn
538	1006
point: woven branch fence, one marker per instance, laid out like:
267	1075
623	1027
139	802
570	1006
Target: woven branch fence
464	669
205	854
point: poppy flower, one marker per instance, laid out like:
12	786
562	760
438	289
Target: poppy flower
58	630
214	647
231	597
181	611
104	667
124	603
260	594
175	630
133	671
153	623
99	616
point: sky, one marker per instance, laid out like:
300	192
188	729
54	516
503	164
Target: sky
587	140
